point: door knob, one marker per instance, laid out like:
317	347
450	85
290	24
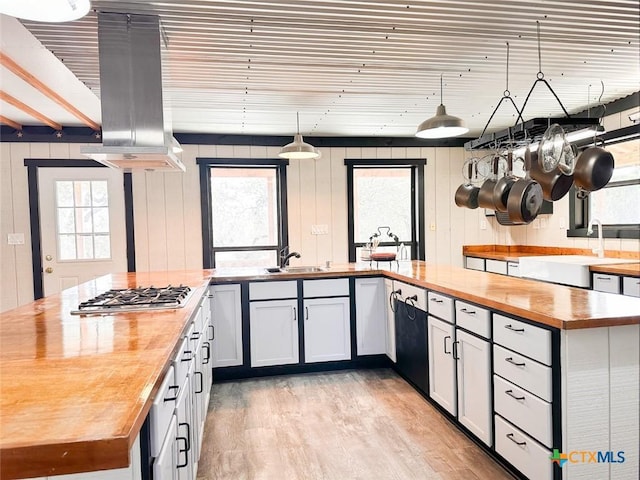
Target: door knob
48	258
48	270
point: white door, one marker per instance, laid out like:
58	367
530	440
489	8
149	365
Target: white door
391	320
226	316
273	332
82	223
474	385
442	366
327	330
164	466
370	316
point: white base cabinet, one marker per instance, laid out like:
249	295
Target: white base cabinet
327	329
390	340
442	365
370	316
226	306
274	332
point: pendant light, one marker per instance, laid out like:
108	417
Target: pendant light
442	125
299	149
55	11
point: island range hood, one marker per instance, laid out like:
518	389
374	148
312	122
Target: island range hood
136	129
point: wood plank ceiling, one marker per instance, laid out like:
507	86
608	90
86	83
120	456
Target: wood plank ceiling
369	68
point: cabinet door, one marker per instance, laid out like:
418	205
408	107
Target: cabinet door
391	320
186	433
474	384
606	283
164	466
227	323
370	316
274	332
442	365
327	330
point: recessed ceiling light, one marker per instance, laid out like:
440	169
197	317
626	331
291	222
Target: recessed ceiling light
55	11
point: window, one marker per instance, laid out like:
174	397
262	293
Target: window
82	220
245	208
386	199
617	205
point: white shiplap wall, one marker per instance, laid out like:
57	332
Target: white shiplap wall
167	210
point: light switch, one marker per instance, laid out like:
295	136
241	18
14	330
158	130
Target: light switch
319	229
483	224
15	239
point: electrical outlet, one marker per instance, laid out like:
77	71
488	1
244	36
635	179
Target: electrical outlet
483	224
319	229
15	239
563	223
432	226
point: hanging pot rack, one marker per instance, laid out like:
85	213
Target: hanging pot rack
524	133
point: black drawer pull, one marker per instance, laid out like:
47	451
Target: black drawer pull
603	278
172	388
445	345
184	450
213	332
513	362
455	350
510	327
468	312
433	299
392	297
510	393
510	437
201	377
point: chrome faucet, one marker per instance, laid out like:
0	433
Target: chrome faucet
600	250
285	256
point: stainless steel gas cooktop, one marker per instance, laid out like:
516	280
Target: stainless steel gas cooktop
135	300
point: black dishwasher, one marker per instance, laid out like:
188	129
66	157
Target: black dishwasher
411	343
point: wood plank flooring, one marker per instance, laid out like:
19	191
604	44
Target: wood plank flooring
364	424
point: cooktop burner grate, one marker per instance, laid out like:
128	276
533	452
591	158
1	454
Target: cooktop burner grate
136	299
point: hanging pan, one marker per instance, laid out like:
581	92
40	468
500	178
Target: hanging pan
555	184
594	168
503	186
525	198
467	194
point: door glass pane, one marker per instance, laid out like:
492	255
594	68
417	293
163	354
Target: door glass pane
254	258
244	207
382	197
616	205
83	231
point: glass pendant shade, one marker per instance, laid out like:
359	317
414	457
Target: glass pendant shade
299	149
55	11
442	125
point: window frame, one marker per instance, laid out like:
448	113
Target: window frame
417	201
579	214
205	166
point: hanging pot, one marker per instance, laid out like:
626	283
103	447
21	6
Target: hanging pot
485	195
525	196
467	194
503	186
555	152
555	184
594	168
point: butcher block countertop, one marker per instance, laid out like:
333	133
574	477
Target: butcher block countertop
75	390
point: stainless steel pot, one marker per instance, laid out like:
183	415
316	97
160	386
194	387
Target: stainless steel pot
594	168
555	184
467	194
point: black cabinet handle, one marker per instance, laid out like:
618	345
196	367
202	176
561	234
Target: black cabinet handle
188	357
445	345
188	437
295	314
172	388
513	362
510	437
433	299
608	279
184	450
468	312
392	297
201	389
511	394
413	301
306	311
207	347
213	333
510	327
455	350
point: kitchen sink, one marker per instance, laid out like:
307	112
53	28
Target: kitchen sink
570	270
301	269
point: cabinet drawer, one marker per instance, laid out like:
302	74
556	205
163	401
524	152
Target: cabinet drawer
496	266
475	263
335	287
162	411
534	342
273	290
606	283
522	371
407	291
523	409
182	361
631	286
523	452
441	306
473	318
513	269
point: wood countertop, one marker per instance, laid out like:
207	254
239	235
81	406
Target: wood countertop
626	269
75	390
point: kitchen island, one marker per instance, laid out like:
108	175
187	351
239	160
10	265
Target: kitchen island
76	390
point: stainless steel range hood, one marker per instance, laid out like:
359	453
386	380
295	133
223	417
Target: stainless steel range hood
136	129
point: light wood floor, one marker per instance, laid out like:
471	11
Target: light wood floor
365	424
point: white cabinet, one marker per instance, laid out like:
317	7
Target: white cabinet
442	365
327	329
473	357
370	316
227	323
165	465
274	332
390	340
603	282
631	286
513	269
474	263
496	266
185	453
